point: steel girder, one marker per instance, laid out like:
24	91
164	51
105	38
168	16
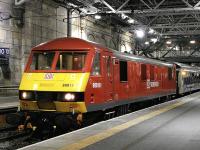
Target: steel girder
177	17
167	17
170	18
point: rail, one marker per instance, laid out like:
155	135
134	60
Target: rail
11	138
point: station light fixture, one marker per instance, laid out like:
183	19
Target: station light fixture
154	40
146	43
97	16
124	16
151	31
169	42
139	33
130	21
177	48
192	42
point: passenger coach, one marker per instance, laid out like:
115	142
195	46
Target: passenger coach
188	78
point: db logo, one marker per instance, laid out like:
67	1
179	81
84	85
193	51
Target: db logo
48	76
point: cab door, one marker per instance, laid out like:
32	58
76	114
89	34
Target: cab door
108	75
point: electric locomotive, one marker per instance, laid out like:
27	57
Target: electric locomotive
68	79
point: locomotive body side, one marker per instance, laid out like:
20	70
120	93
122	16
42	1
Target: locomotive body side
125	79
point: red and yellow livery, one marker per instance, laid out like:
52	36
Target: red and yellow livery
74	76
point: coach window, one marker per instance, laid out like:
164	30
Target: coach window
96	65
123	71
143	72
151	73
169	73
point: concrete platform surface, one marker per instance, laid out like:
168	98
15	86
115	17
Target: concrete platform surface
173	125
9	102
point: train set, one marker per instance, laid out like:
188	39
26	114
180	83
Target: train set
67	80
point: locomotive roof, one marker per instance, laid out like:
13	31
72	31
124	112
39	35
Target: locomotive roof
126	56
142	59
66	43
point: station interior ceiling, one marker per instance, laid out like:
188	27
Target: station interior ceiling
169	26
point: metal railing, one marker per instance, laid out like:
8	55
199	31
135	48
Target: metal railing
9	87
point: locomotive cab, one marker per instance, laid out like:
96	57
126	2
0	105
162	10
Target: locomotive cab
55	81
63	80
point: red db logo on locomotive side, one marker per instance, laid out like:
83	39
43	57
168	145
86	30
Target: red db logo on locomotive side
48	76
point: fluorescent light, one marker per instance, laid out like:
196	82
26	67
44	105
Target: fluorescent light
139	33
192	42
146	43
169	42
97	16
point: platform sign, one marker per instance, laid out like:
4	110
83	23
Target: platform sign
4	55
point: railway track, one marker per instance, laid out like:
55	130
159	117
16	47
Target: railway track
11	138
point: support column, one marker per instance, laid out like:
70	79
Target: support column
69	20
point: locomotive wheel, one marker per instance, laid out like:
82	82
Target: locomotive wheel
65	123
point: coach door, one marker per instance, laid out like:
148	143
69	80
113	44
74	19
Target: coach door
108	74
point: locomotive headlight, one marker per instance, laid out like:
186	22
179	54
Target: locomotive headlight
26	95
69	96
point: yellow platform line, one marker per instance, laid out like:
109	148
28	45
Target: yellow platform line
110	132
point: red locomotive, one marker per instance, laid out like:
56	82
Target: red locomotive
70	78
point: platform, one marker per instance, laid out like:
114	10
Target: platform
173	125
9	102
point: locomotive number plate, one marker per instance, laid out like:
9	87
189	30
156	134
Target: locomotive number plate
97	85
